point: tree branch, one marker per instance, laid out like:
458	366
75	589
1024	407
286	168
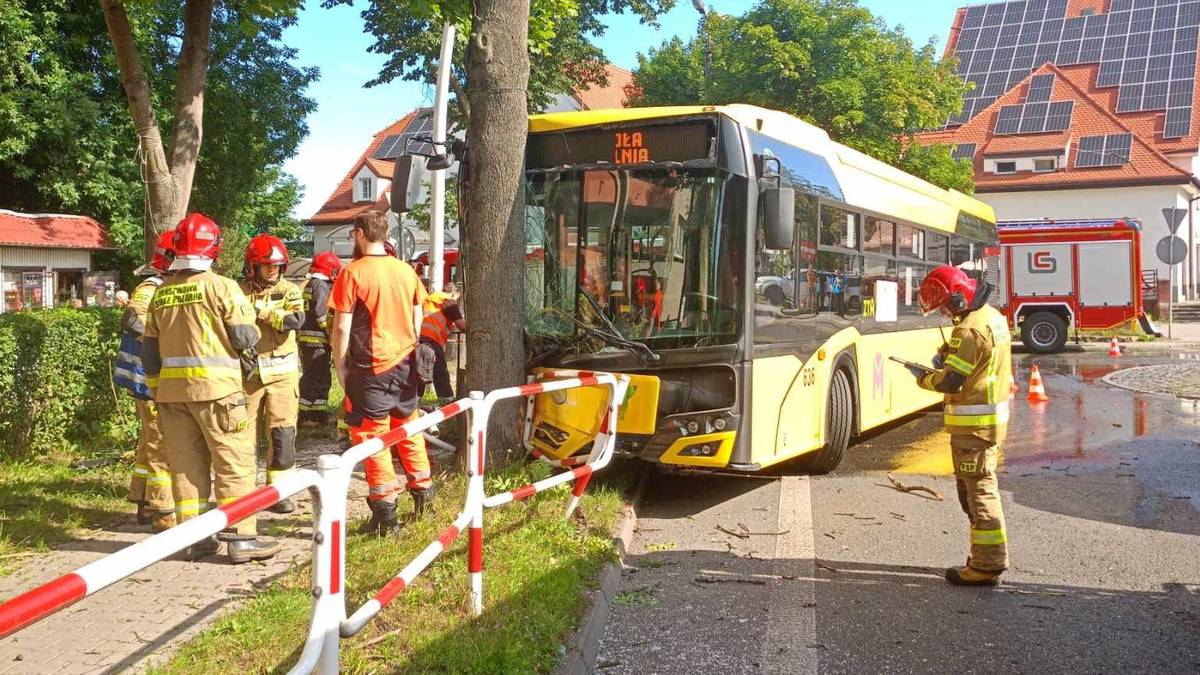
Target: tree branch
460	97
190	80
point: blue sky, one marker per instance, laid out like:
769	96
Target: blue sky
348	114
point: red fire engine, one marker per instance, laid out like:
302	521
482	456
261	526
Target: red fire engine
1057	276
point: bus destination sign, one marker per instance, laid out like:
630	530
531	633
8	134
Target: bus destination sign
684	142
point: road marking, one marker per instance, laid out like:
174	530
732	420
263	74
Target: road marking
792	621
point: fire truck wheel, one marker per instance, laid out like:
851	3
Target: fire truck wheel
1044	333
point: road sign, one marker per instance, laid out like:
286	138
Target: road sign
1174	218
1171	250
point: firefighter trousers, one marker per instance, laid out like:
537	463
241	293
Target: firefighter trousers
275	405
975	458
151	481
210	445
314	382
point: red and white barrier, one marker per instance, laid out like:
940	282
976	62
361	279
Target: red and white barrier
330	484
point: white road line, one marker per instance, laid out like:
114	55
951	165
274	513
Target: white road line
792	621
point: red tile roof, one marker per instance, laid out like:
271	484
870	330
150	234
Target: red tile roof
1092	116
51	231
341	207
611	96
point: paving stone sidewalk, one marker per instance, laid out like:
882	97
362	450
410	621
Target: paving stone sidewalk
144	618
1180	379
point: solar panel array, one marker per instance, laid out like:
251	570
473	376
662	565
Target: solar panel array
1110	150
1038	113
964	151
404	143
1146	48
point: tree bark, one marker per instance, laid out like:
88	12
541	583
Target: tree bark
498	77
168	185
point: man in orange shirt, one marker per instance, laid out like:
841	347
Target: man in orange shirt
377	300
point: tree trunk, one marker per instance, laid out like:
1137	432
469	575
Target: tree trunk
168	186
497	75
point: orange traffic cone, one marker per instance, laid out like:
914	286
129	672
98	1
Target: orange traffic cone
1113	349
1037	393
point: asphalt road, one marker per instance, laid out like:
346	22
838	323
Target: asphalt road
843	574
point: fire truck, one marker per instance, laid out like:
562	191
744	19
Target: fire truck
1058	277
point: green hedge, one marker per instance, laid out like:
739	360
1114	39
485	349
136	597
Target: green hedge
55	382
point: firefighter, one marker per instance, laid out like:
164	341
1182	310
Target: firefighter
150	486
272	390
377	301
974	371
442	315
314	339
199	332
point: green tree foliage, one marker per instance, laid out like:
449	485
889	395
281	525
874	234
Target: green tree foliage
563	56
829	62
66	138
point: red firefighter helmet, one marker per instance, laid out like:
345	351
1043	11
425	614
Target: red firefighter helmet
947	285
164	251
327	263
197	236
266	249
389	248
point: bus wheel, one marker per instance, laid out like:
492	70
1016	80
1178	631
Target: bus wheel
1044	333
838	425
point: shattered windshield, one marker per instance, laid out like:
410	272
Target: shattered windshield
646	255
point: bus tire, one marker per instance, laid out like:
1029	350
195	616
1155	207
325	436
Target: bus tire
1044	333
839	424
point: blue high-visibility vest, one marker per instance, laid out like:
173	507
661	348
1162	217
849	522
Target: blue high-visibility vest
128	373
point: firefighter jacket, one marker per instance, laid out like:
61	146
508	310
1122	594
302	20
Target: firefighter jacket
980	351
280	311
314	332
129	373
198	325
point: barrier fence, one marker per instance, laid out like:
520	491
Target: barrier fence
329	485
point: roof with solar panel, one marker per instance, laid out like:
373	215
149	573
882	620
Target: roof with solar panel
1101	89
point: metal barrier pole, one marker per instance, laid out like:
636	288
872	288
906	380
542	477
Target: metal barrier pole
477	444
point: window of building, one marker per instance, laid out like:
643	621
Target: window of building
1006	167
366	189
960	251
879	236
911	242
1045	165
838	227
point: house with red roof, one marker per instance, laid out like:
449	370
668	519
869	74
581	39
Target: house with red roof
46	260
367	184
1082	109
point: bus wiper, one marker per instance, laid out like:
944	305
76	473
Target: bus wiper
614	338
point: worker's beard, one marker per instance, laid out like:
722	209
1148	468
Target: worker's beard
358	252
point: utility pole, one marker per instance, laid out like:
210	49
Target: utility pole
708	46
437	178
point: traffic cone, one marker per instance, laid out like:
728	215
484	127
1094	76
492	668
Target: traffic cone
1113	349
1037	393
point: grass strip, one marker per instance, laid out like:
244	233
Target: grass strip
537	568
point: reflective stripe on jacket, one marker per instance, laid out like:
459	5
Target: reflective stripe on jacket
980	350
436	327
128	372
315	329
280	312
199	323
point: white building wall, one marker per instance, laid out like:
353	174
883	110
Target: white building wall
1143	203
47	260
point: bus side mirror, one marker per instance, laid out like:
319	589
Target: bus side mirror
407	178
779	217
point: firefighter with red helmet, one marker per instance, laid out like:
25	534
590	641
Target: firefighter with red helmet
198	327
974	371
150	485
272	390
314	339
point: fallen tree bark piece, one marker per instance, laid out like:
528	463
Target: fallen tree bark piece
915	488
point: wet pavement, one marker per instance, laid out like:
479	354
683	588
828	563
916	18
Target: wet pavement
842	573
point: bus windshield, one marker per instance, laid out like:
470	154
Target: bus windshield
640	255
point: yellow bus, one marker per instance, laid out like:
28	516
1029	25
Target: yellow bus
750	274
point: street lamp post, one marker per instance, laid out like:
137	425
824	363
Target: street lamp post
708	45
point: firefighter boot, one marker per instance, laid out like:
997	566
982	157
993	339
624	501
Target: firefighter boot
201	549
969	576
143	516
163	522
245	548
383	518
422	503
284	505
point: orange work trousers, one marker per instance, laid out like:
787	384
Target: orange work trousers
382	482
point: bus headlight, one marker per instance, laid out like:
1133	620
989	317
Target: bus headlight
719	424
700	450
693	426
